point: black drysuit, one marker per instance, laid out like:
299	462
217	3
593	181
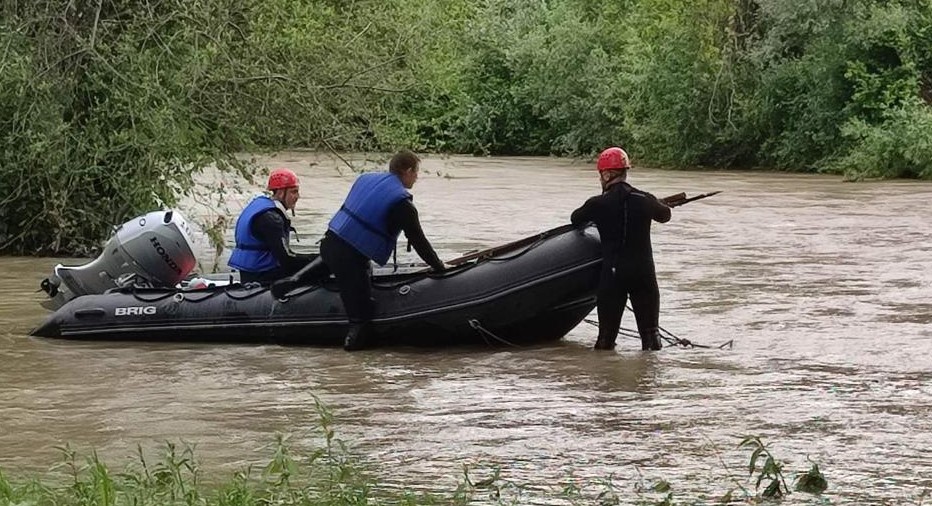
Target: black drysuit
623	215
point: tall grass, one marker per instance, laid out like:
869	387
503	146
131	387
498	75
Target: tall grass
331	474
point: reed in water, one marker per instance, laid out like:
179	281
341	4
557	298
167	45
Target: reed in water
331	475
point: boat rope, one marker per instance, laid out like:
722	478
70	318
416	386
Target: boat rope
406	281
668	336
252	289
484	332
686	343
526	249
201	295
137	294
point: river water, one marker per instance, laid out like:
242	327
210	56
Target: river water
824	286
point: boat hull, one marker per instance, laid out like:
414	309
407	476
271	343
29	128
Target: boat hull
535	293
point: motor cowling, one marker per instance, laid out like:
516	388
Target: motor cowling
150	250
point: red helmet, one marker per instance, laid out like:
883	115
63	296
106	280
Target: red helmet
613	159
279	179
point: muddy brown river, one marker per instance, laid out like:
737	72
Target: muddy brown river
824	286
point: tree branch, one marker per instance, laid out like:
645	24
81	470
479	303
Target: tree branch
100	4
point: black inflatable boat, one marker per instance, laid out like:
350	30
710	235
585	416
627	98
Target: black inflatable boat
530	291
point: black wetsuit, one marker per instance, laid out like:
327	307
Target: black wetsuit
352	268
623	215
272	228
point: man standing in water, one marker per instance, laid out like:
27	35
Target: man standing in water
623	215
366	228
262	253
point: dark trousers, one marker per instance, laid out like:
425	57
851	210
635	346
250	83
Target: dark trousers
352	270
614	290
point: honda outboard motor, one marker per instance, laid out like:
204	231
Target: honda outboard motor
151	250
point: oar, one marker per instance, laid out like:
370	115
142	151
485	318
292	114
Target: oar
679	199
672	201
531	239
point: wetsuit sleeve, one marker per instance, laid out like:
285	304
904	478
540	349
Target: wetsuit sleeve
660	212
403	216
268	227
585	214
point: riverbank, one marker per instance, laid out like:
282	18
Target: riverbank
330	474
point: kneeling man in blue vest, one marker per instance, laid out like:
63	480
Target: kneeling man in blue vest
365	228
262	253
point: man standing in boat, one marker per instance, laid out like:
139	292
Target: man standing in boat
262	253
623	215
378	208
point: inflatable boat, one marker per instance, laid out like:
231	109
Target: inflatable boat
529	291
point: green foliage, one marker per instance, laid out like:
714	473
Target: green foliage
795	102
811	481
110	109
771	472
100	123
330	474
574	84
428	115
499	119
825	66
900	145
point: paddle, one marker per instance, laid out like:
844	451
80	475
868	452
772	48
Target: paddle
675	200
531	239
679	199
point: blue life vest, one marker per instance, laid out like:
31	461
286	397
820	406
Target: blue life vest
251	254
362	221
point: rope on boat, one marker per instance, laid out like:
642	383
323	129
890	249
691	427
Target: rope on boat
520	253
672	338
668	336
253	289
484	332
137	292
198	295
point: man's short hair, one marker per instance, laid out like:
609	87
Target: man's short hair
402	161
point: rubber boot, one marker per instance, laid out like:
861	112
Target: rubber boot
311	272
606	340
355	337
650	341
602	344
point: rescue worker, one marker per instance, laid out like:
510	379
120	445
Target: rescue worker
262	253
623	216
376	210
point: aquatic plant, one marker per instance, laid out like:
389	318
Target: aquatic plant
330	474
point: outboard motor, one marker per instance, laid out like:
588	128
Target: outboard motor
150	250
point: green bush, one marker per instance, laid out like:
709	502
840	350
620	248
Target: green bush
111	109
101	122
900	146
